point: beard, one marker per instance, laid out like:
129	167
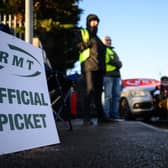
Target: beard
93	30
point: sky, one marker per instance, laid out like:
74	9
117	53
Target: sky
139	32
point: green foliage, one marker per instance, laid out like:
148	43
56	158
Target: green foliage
53	21
50	24
12	6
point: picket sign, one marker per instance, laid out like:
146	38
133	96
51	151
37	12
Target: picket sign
26	118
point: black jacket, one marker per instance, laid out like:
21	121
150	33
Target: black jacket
96	60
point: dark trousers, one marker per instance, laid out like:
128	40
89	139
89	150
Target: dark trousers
94	84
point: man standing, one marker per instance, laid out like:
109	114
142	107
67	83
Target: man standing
92	60
112	81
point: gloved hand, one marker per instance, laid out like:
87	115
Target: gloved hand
90	43
116	63
85	45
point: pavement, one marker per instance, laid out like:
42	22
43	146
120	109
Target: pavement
118	144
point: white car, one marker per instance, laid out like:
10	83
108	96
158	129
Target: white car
137	102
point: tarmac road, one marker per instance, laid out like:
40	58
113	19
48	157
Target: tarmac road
159	123
120	144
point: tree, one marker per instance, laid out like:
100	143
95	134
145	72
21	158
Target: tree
56	20
53	22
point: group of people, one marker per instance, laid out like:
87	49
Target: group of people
100	67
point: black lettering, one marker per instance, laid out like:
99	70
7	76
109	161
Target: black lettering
37	99
43	101
30	63
37	120
43	119
17	61
27	119
11	95
11	123
3	120
18	96
4	57
24	95
17	118
2	94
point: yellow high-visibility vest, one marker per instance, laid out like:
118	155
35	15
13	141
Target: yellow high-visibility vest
109	55
85	53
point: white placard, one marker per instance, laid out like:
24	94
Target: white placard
26	118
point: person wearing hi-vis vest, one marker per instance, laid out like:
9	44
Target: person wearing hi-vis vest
92	61
112	81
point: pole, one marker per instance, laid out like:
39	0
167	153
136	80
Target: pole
28	20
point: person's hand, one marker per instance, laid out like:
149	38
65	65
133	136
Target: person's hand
117	63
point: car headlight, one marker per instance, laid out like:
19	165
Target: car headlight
139	93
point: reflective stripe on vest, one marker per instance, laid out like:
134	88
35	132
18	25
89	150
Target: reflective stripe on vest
85	53
109	56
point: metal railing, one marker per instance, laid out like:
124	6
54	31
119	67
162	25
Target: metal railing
15	23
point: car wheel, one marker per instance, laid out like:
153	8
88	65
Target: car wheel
125	110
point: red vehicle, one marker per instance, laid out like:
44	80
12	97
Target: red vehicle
140	82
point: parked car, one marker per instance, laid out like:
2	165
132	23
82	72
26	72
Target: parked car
136	99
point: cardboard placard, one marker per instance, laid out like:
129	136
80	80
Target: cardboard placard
26	117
